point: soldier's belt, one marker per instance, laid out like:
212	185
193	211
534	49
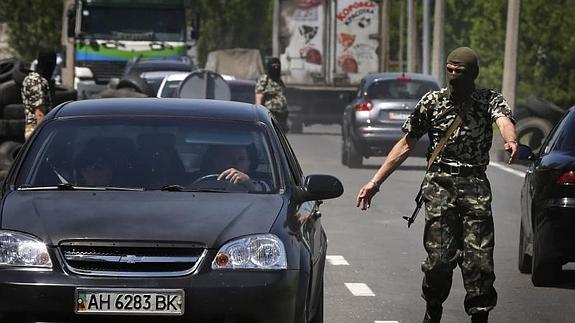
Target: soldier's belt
457	170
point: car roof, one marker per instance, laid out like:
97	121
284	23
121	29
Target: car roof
159	65
164	107
391	76
176	76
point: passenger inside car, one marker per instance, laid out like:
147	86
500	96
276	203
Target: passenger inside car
235	164
94	169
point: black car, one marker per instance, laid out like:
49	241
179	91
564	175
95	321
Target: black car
372	120
547	231
153	71
117	209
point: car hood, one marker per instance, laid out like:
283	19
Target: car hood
205	218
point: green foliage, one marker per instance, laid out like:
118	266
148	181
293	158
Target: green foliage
547	51
33	24
233	23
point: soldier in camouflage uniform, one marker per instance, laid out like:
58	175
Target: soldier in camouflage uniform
458	223
37	93
270	92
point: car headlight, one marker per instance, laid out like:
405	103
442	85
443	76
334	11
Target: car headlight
262	251
19	249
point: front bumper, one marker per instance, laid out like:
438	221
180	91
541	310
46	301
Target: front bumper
560	216
28	295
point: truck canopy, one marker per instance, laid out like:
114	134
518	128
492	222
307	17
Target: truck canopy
241	63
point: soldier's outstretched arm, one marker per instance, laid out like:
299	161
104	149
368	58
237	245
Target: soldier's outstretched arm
394	159
507	129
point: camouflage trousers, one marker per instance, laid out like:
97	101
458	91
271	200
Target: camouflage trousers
458	231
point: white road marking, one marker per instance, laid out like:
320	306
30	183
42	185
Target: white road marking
386	322
507	169
359	289
337	260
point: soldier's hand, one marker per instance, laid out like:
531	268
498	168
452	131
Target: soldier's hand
365	194
511	148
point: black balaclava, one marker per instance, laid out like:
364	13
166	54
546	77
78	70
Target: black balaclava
274	68
461	83
46	63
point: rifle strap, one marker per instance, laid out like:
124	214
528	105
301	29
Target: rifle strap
454	125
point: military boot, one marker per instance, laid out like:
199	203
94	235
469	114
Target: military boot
480	317
432	314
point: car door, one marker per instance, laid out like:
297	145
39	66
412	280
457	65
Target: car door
309	217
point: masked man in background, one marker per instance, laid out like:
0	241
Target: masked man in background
38	91
270	92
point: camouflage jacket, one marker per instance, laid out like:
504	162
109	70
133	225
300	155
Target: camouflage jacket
35	93
469	145
273	92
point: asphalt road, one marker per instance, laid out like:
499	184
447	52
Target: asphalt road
373	272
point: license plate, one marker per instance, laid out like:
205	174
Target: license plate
130	301
398	116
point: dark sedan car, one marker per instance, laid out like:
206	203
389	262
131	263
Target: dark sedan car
166	210
372	121
547	231
153	71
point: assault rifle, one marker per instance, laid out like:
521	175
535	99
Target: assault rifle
418	204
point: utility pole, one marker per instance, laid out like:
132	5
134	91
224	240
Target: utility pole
425	45
438	62
275	29
384	39
411	36
69	46
401	34
510	58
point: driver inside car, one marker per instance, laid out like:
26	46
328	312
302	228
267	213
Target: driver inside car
94	170
233	164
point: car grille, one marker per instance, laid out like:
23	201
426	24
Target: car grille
133	261
104	70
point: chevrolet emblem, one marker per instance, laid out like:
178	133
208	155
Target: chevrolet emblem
131	259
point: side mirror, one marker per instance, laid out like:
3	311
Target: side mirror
320	187
71	22
525	152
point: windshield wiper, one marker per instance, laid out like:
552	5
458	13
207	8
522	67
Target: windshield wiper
180	188
70	187
173	188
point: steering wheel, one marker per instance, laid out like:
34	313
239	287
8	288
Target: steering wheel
209	177
219	184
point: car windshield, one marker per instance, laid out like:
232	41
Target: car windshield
400	89
170	89
172	154
134	23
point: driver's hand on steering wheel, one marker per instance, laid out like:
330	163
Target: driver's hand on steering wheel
234	176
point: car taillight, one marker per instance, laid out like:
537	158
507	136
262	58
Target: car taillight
567	178
365	105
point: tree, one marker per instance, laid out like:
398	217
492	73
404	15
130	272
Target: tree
547	51
32	25
233	23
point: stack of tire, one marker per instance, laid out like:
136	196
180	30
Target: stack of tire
12	120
